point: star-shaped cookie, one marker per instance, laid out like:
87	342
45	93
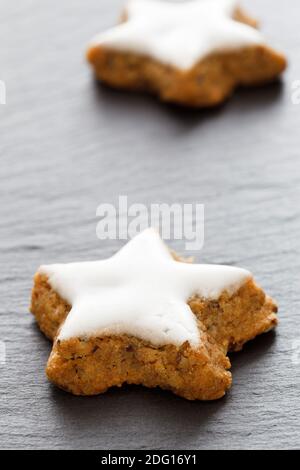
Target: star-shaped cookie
145	317
193	53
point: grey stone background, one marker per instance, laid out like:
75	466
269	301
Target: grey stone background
66	145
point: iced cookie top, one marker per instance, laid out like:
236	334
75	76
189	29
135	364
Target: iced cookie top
179	34
140	291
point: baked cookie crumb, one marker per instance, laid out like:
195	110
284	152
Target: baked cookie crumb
194	54
88	364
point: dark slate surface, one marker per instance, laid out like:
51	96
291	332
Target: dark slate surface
66	146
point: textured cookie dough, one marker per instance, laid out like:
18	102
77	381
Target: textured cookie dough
119	59
90	365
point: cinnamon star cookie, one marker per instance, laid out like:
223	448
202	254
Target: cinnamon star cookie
193	53
145	317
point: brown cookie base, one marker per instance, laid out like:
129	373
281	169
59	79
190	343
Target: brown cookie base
208	83
91	366
88	366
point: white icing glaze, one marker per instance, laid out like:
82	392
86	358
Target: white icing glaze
140	291
179	34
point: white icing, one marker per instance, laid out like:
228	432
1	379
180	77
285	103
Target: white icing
140	291
179	34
